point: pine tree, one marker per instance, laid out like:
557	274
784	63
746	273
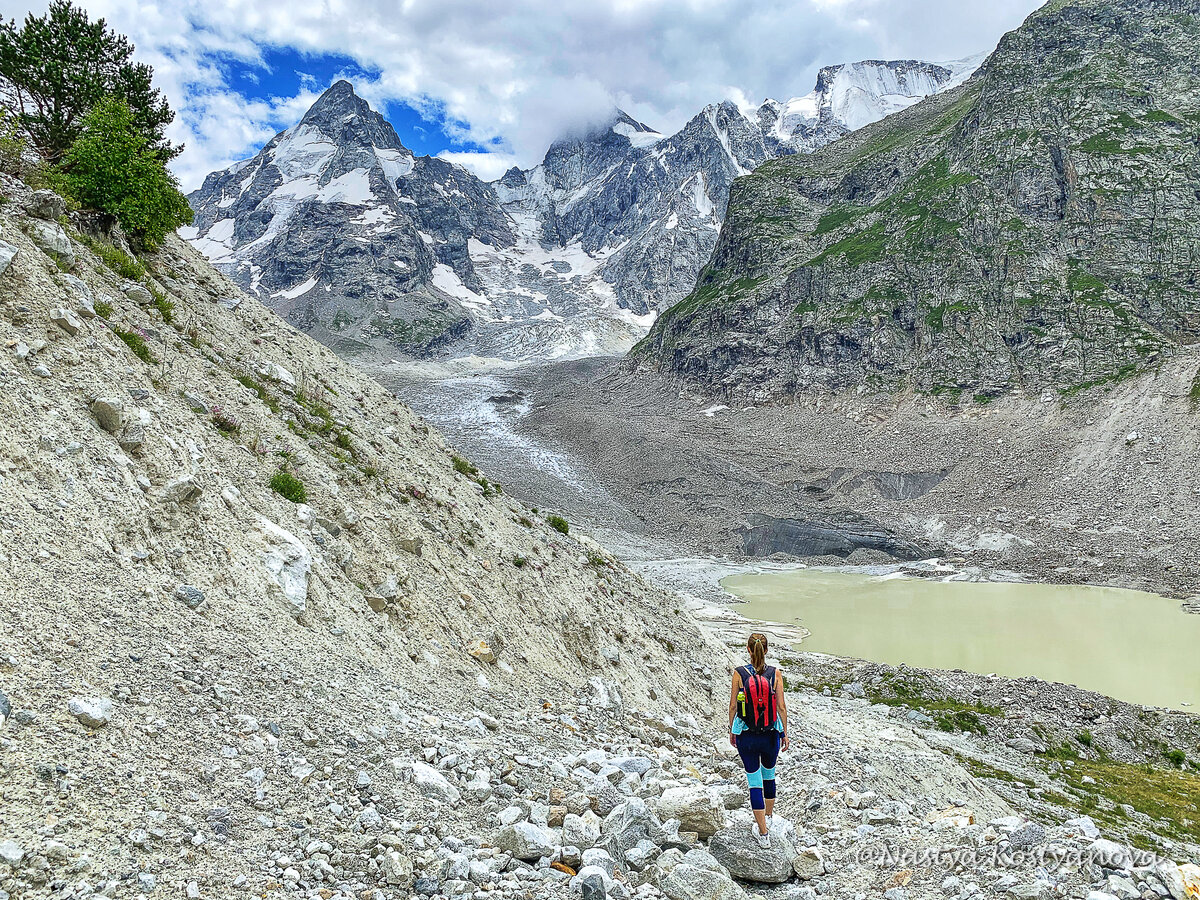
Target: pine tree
59	66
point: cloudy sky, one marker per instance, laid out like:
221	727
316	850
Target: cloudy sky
492	82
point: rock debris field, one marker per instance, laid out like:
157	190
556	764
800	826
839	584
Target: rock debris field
263	634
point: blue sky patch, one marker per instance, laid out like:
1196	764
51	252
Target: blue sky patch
286	72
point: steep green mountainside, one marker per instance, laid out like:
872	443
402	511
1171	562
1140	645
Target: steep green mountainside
1038	226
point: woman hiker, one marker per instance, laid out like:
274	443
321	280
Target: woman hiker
758	729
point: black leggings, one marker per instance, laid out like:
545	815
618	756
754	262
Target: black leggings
759	753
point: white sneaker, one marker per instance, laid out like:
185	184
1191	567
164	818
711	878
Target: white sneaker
764	840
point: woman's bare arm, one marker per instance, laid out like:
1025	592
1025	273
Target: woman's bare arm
781	694
735	686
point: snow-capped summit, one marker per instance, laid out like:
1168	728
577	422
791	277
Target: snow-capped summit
332	224
349	236
850	96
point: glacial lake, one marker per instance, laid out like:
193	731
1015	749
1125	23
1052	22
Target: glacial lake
1137	647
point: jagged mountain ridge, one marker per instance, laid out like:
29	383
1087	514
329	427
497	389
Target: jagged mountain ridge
348	235
1033	227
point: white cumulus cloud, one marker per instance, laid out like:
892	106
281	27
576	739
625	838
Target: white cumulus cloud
512	76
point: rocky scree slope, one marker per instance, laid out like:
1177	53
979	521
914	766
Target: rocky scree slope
1034	226
193	666
339	228
405	685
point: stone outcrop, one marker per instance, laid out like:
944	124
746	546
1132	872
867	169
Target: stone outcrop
1035	226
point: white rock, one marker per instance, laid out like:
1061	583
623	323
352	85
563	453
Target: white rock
288	562
94	712
276	372
695	808
66	320
11	853
429	781
526	841
8	253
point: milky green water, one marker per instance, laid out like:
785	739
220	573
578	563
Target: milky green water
1133	646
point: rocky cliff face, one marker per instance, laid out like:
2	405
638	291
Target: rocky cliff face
1033	226
339	228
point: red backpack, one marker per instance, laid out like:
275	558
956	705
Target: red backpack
758	709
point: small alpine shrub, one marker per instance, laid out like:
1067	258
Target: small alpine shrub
1177	758
115	258
288	486
1085	738
104	309
558	523
165	306
463	467
224	422
520	562
137	344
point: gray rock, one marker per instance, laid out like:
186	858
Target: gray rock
138	293
631	823
94	712
109	413
66	320
54	241
183	489
526	841
5	709
396	869
46	204
809	863
696	809
189	596
581	831
8	252
736	848
695	875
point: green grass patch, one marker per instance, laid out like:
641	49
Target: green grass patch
863	247
558	523
288	486
836	218
463	467
263	394
115	258
165	306
1194	394
137	344
103	309
1170	796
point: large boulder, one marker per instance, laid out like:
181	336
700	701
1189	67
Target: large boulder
46	205
526	841
288	562
429	781
696	809
736	848
696	875
54	241
581	831
632	822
